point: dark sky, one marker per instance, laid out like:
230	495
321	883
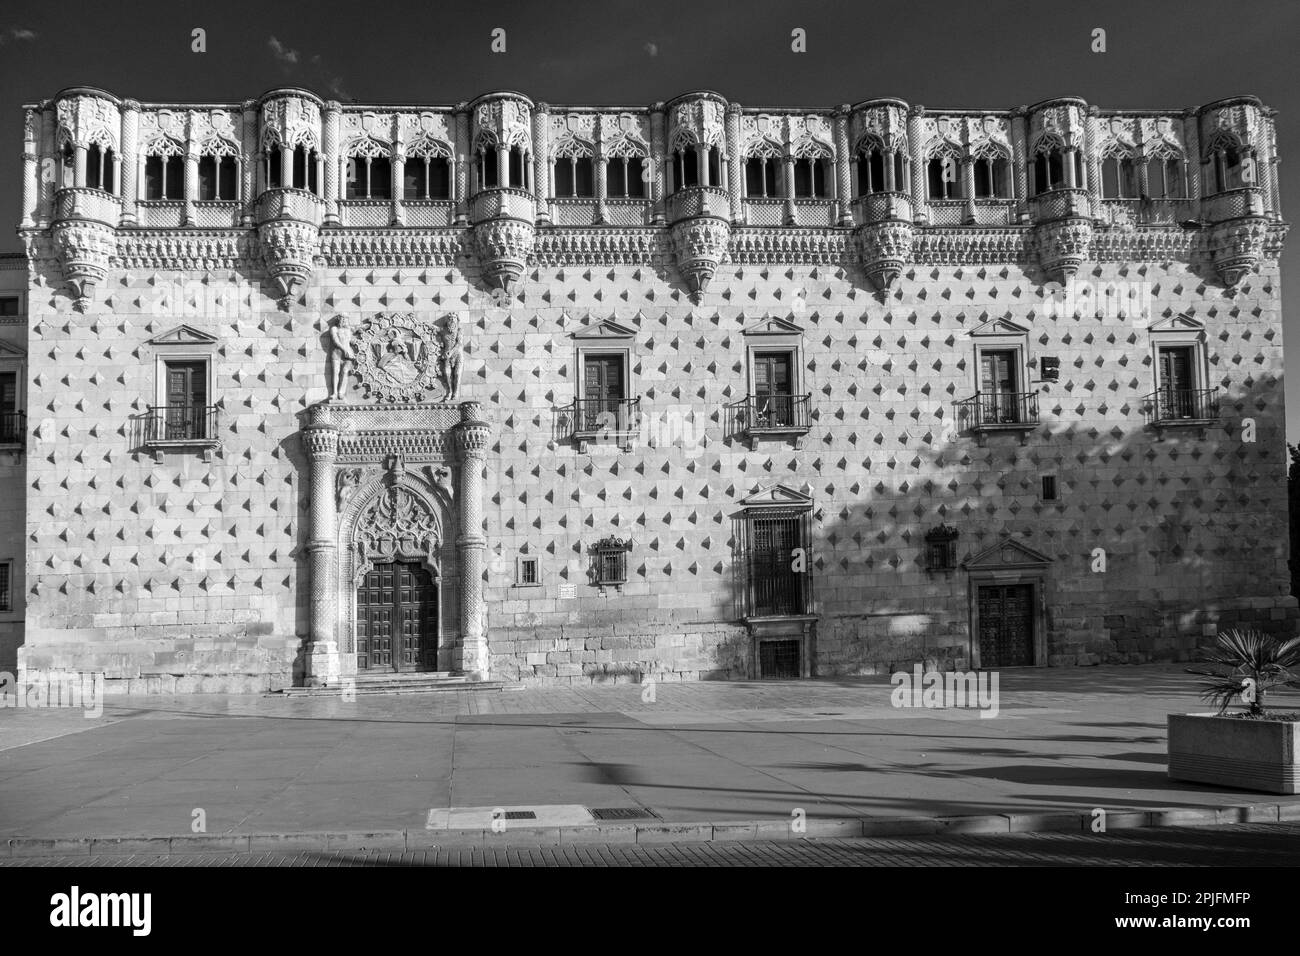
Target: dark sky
975	54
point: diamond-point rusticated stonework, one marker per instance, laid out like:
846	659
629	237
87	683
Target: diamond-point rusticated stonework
413	407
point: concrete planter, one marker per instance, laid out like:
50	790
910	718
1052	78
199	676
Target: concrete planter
1229	751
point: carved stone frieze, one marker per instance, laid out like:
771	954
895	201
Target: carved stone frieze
396	357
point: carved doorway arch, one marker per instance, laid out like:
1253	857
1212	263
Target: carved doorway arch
391	523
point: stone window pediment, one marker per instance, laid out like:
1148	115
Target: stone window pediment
1007	555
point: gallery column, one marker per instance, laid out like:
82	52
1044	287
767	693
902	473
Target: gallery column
321	437
472	436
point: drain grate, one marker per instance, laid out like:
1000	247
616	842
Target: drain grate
624	813
520	815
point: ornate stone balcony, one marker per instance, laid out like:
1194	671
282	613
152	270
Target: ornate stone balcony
1062	230
883	235
86	204
1065	203
85	233
696	201
1233	204
699	217
881	207
295	204
1239	227
288	228
502	220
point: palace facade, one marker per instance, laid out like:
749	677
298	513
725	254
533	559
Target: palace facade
296	391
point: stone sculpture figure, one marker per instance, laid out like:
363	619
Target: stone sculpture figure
451	358
343	358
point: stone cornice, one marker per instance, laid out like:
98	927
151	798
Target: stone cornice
226	249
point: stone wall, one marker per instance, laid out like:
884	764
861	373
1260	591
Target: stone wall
187	569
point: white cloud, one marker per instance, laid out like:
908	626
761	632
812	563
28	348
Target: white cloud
20	34
282	53
651	48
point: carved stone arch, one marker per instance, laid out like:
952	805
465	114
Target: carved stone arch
1222	138
867	142
626	146
942	148
811	147
218	146
164	146
366	147
573	147
763	147
990	149
1047	141
1118	148
395	516
683	139
428	147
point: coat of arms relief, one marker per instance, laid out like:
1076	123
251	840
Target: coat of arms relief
396	358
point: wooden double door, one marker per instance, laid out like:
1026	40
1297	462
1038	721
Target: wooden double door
397	619
1006	625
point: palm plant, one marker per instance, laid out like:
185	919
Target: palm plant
1244	661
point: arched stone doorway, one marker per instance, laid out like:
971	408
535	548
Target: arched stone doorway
393	548
399	486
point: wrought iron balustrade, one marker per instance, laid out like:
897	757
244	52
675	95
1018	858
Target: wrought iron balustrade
997	409
1182	404
181	423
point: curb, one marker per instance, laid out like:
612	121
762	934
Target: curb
648	833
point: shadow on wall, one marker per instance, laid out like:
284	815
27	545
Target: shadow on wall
1157	537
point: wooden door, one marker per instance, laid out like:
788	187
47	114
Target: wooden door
602	383
397	619
187	399
1176	395
1006	625
773	383
998	386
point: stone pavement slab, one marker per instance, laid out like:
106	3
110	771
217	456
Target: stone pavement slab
748	755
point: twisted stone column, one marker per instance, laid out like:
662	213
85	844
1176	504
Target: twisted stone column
463	153
541	163
843	167
916	165
191	181
602	190
472	436
248	186
657	158
397	173
1020	157
321	436
31	178
330	157
736	162
129	161
49	123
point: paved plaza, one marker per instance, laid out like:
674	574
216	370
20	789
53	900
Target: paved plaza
1073	740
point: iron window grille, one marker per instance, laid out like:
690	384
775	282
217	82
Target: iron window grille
6	597
772	564
609	561
941	548
13	428
528	571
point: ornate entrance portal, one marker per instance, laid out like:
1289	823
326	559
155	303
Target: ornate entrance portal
397	618
396	544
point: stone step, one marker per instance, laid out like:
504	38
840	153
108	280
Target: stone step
427	683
